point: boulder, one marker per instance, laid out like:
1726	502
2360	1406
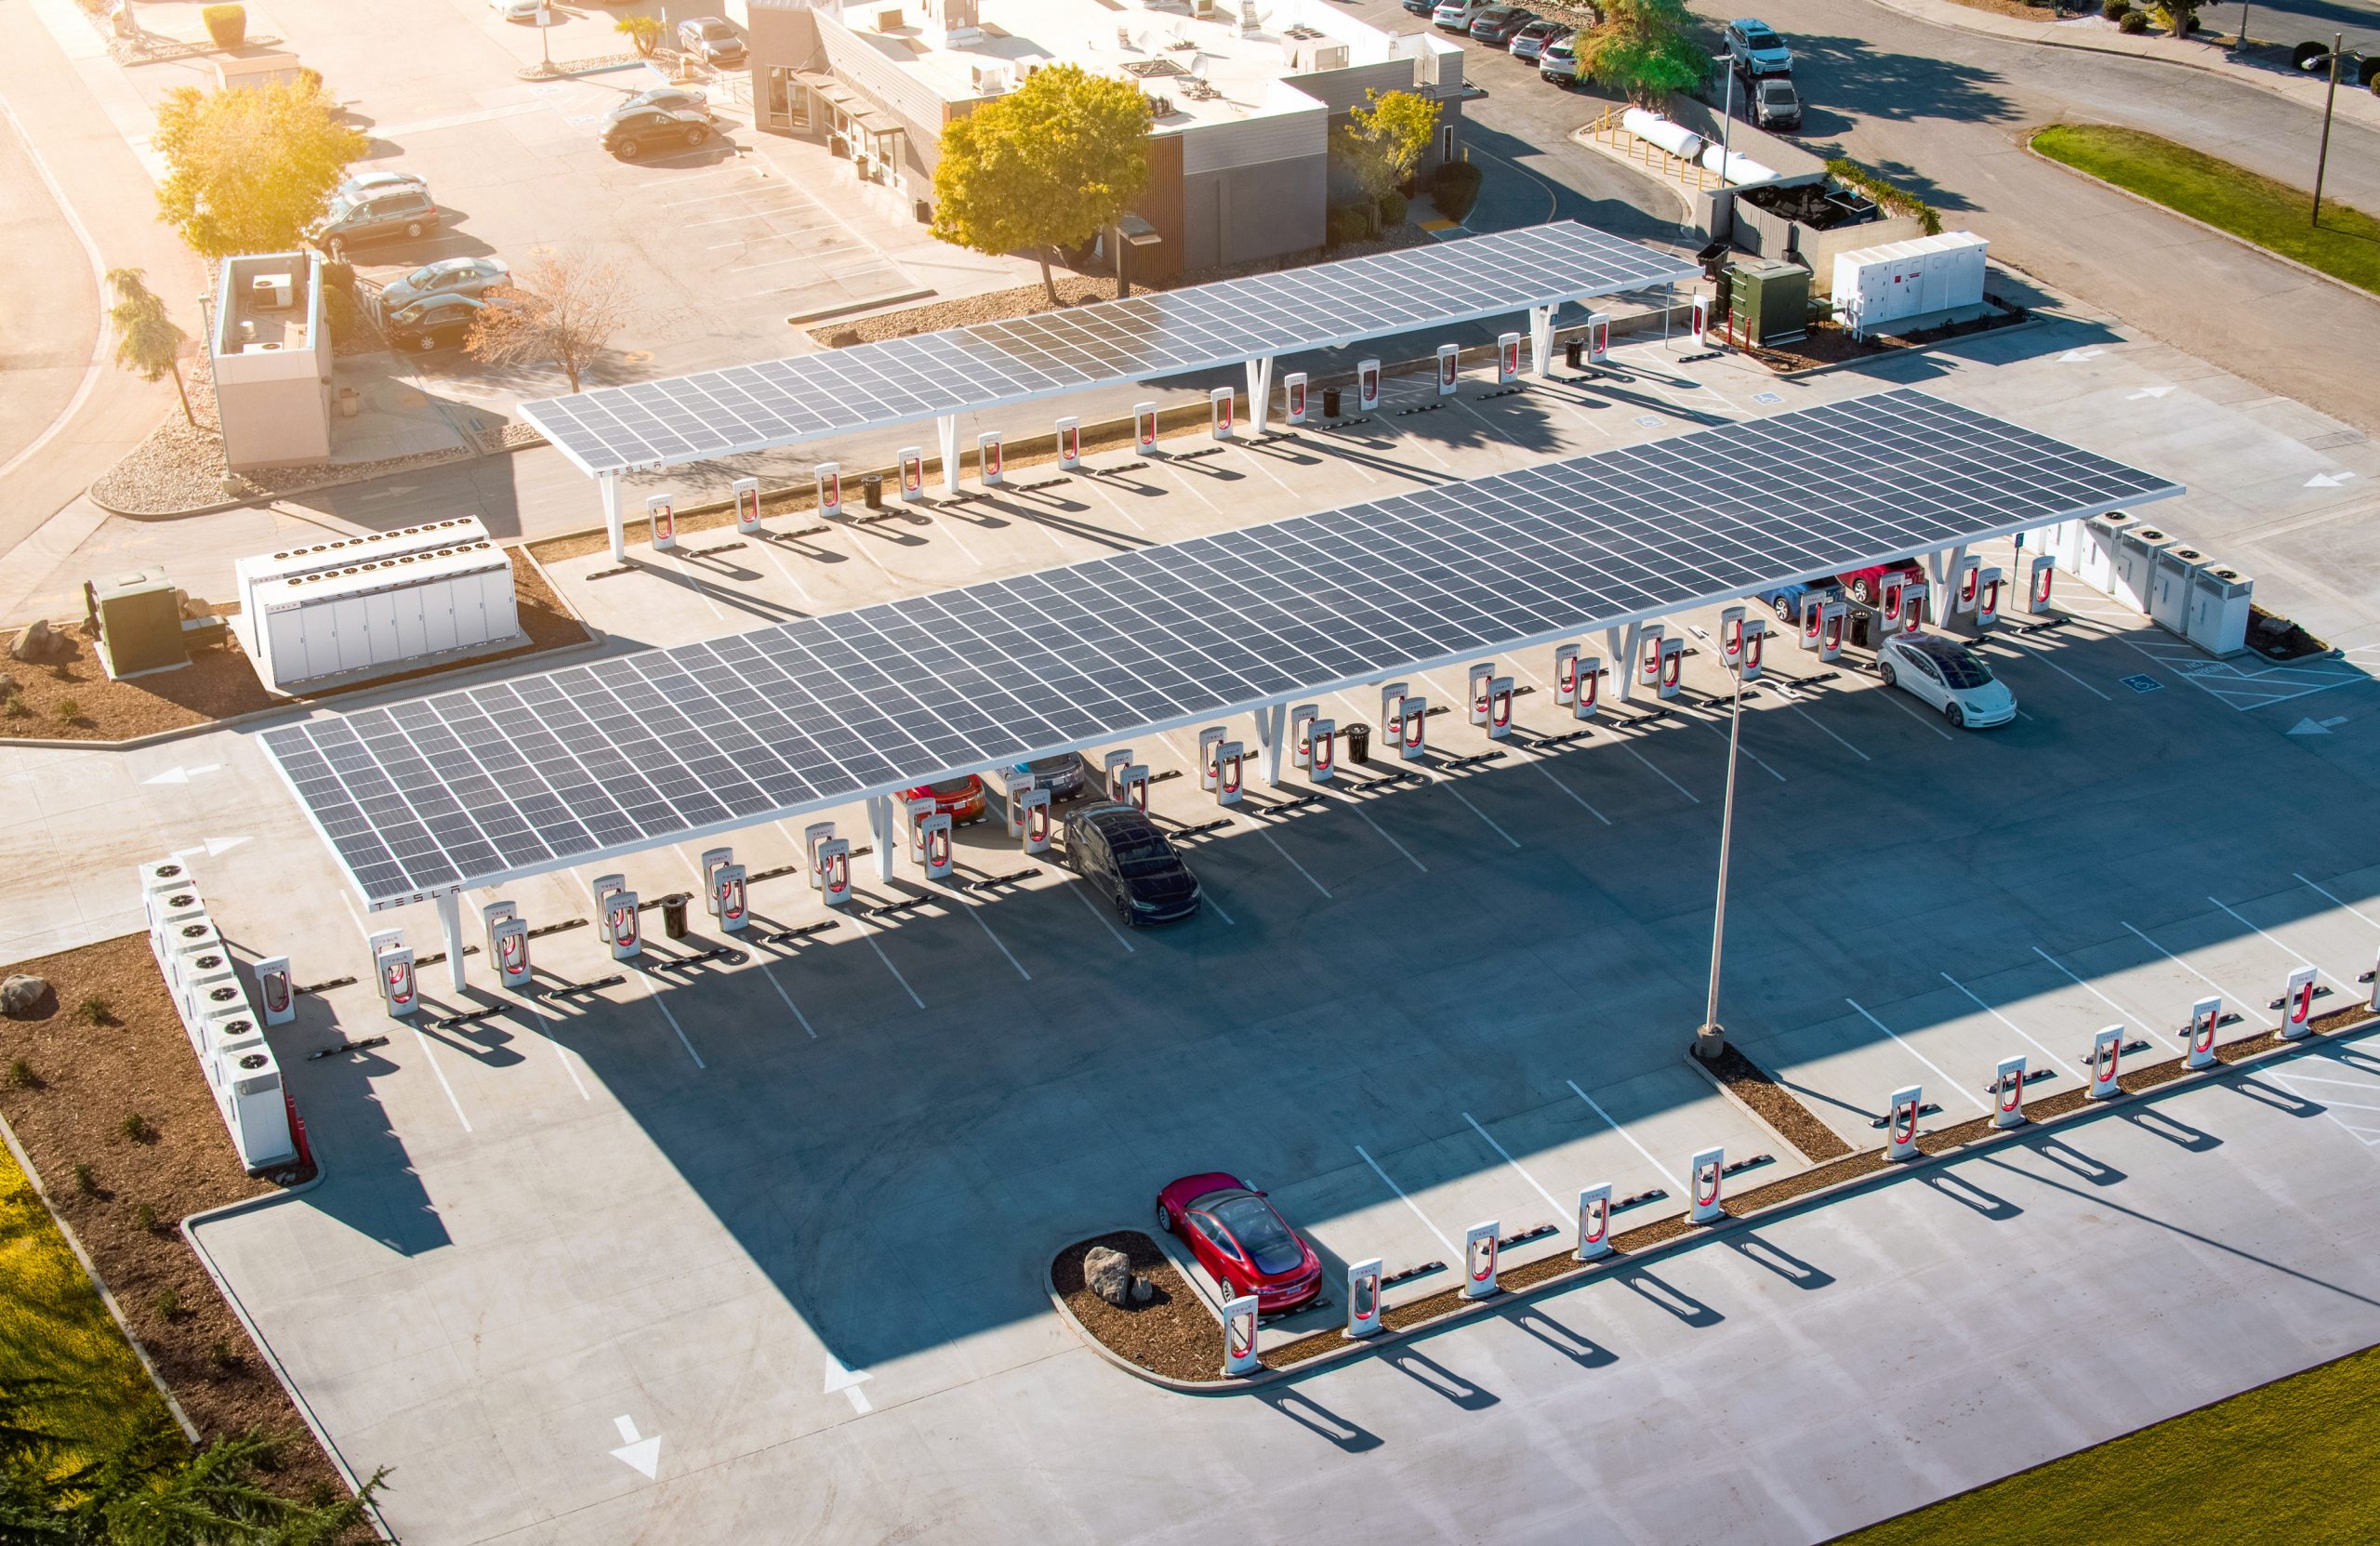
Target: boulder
22	994
1108	1274
1142	1291
39	645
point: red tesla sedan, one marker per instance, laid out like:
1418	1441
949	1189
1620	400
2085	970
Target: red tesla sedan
960	799
1862	583
1241	1240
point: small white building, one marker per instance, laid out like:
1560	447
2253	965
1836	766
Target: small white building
271	358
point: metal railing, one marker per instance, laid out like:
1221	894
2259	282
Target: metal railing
1607	130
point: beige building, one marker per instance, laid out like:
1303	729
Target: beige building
272	359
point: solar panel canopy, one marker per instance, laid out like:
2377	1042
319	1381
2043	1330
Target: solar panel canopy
485	784
748	408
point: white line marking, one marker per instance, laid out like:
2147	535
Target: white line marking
1083	895
2283	948
1664	777
1209	893
869	934
2318	891
976	913
800	1018
654	993
2129	1018
99	340
1846	746
1292	859
2010	1024
1447	785
554	1040
1746	750
1615	1126
1392	842
1513	1163
2191	970
1892	695
421	1038
2342	1084
2042	655
1921	1057
1408	1202
1540	765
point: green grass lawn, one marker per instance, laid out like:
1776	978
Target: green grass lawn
2272	214
2288	1461
53	1326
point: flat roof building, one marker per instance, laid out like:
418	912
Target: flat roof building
271	358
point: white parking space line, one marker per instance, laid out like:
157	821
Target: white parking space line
976	912
801	1019
2012	1026
1447	785
1740	746
704	198
2281	945
2193	972
2042	655
1794	703
869	934
421	1038
1659	1169
1539	763
1977	1099
2320	892
1206	892
1293	863
1083	895
769	550
2129	1018
1892	695
1392	842
1451	1251
747	215
1506	1157
1664	777
654	993
698	583
553	1040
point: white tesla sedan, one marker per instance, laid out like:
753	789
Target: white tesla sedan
1945	675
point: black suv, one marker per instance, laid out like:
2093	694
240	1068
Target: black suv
1115	848
628	135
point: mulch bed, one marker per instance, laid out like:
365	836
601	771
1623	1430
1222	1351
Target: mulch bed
81	1083
1828	343
217	683
1173	1334
1749	1083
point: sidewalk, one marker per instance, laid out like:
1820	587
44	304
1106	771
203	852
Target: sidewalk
2094	34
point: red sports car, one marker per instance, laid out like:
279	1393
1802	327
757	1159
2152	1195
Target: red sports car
1241	1240
1862	582
959	799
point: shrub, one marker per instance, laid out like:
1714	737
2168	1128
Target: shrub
166	1302
144	1218
1392	207
14	706
2132	22
21	1075
1348	224
220	1356
136	1128
2113	9
227	25
95	1010
1455	188
1886	193
87	1181
68	712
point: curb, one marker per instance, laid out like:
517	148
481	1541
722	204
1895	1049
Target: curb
2356	290
1582	136
1744	1107
470	453
2034	319
1619	1262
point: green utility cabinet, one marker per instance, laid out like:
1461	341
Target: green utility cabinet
1769	301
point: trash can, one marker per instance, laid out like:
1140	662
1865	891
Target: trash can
1330	403
1574	353
872	490
1358	739
673	915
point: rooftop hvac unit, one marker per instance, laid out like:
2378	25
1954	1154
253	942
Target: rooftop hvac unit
2096	565
271	292
889	19
991	80
1329	56
2220	598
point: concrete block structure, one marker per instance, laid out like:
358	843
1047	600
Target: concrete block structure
271	358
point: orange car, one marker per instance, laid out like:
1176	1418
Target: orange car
959	799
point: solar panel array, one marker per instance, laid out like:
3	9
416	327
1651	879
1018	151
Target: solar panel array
745	408
467	787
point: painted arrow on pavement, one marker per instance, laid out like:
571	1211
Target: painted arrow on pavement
848	1380
183	775
644	1454
2317	727
211	847
2073	355
2328	480
2147	391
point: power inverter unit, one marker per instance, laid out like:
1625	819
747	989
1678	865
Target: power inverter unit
383	614
2220	598
1770	301
141	622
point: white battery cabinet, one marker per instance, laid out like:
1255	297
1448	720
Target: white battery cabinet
385	613
2220	598
1876	286
320	657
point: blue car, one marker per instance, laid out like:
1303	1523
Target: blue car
1786	600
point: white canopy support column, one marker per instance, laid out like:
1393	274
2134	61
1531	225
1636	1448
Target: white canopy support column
945	430
1270	722
1260	393
1540	340
608	486
1625	660
879	826
450	920
1945	567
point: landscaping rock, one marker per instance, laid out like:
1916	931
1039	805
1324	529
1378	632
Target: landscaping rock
25	996
1108	1274
39	645
1143	1289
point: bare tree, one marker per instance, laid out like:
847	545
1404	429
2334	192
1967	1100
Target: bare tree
561	309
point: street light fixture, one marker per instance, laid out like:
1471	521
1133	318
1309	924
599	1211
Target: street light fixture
2322	160
1711	1039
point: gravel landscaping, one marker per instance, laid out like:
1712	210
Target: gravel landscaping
1749	1083
1173	1334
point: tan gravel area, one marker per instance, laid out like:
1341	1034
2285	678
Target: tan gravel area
1173	1334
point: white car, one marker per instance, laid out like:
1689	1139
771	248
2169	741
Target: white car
1558	63
515	10
1945	675
1456	15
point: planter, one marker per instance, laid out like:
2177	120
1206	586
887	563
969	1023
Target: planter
227	25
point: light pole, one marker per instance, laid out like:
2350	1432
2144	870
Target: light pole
2239	45
1727	123
2322	160
1711	1040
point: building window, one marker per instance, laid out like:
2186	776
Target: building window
1445	142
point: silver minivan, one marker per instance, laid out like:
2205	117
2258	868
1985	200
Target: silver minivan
385	215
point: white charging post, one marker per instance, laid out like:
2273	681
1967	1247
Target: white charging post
1144	428
1301	718
1590	694
989	469
1211	741
1705	1174
1239	1338
1566	674
1500	707
1449	369
2106	1052
274	991
1220	404
1035	836
2206	1018
1322	763
2297	1005
1508	358
1363	1299
2008	1093
661	515
1479	1251
835	871
1595	1221
1368	385
1900	1123
1475	695
912	486
827	479
1070	446
748	506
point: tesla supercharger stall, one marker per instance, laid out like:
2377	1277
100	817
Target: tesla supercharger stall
2040	574
1809	619
814	838
1755	649
748	506
1239	1337
835	870
989	469
1599	337
1220	406
1229	755
934	841
1965	586
1888	594
913	474
1301	718
625	925
1566	674
509	947
828	477
1112	768
1475	695
661	515
1392	714
1322	762
2206	1018
493	916
602	888
1900	1122
1595	1221
1987	599
1479	1247
1132	787
1914	599
2107	1053
1731	634
2008	1093
1070	446
709	863
1210	739
274	991
914	814
1500	707
1014	788
1700	323
1705	1173
1508	358
1036	834
1368	385
1830	626
1363	1299
1294	390
2297	1005
1672	664
1590	694
1649	655
393	965
1449	369
1414	740
727	899
1144	428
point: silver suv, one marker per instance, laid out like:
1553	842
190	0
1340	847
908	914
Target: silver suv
410	213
